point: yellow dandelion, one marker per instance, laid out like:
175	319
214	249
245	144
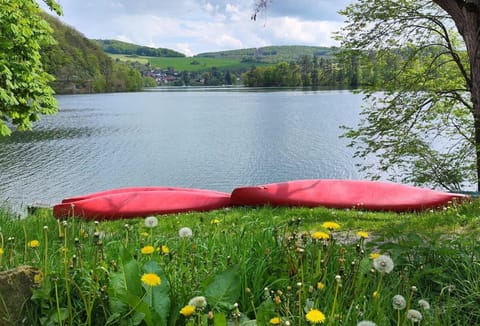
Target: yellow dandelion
315	316
375	295
151	279
147	250
33	244
165	250
1	251
362	234
276	321
144	234
374	255
331	226
320	286
38	278
319	235
215	221
188	310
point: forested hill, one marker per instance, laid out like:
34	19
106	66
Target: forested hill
119	47
272	54
80	66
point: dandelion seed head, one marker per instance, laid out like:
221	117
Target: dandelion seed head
383	264
414	315
185	232
199	302
151	221
424	304
366	323
399	302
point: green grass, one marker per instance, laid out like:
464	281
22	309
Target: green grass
193	64
251	265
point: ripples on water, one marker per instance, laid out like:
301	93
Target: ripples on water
215	139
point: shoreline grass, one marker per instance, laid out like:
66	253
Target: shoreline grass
251	266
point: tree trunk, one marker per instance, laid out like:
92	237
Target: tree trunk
466	15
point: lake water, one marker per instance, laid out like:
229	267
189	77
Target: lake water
215	138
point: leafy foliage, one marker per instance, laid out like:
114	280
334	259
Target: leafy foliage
420	126
25	93
80	66
119	47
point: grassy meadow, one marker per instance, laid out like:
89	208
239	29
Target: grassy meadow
251	266
190	63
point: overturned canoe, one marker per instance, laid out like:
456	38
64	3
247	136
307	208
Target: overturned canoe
140	203
333	193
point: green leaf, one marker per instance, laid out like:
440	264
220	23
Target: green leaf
225	288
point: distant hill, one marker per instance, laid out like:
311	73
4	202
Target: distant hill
272	54
80	65
119	47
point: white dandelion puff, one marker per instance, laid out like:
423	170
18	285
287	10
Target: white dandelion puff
383	264
424	304
414	315
399	302
185	232
151	221
366	323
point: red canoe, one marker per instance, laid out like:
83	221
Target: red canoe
368	195
135	189
129	204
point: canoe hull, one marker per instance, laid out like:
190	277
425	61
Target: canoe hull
332	193
130	204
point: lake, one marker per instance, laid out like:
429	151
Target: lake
212	138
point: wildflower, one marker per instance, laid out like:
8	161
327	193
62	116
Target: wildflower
147	250
424	304
1	251
33	244
151	221
366	323
215	221
374	255
315	316
185	232
319	235
362	234
151	279
383	264
187	311
144	234
275	321
198	302
165	250
414	315
399	302
331	226
37	278
320	286
375	294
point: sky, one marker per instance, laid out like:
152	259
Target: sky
197	26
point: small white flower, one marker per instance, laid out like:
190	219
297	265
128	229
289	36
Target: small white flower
424	304
185	232
366	323
414	315
198	302
383	264
151	221
399	302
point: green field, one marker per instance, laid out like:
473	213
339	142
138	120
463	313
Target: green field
190	63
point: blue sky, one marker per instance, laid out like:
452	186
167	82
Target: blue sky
196	26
